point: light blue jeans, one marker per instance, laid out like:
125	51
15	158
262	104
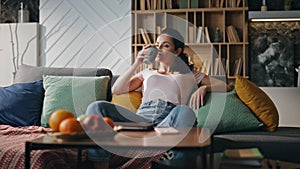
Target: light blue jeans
159	112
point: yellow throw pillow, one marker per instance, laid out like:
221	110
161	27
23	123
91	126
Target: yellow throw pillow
131	100
258	101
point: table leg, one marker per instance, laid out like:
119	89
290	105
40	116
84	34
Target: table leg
79	160
27	155
203	159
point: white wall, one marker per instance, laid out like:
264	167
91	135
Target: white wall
287	101
86	33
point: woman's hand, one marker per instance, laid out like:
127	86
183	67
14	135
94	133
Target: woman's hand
141	55
197	98
208	84
127	82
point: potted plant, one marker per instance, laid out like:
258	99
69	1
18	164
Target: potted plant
287	4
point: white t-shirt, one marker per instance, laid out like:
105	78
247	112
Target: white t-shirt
175	88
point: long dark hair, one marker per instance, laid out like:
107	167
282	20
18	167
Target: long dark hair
178	41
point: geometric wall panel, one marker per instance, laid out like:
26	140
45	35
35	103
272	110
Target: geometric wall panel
86	33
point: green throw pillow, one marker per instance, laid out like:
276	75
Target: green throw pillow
225	112
71	93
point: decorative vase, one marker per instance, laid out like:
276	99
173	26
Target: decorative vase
217	35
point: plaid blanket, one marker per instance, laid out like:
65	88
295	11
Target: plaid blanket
12	152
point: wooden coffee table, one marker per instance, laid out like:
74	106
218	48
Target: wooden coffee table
186	139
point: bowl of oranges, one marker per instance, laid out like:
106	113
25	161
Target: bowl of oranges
65	125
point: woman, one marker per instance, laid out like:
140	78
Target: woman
170	94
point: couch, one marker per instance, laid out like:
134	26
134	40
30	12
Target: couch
235	130
282	144
37	90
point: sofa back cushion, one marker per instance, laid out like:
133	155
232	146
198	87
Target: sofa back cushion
21	104
28	73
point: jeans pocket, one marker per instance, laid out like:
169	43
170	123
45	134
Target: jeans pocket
155	110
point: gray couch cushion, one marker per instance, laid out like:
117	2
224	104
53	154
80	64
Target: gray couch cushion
27	73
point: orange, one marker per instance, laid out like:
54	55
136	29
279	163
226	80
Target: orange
109	121
70	125
57	117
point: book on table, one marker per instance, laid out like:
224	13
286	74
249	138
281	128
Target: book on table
249	158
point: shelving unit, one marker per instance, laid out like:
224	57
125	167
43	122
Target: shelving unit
187	17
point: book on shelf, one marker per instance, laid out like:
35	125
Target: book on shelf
169	4
238	3
153	4
229	35
158	4
222	3
202	35
237	67
228	3
142	5
199	38
148	36
235	34
207	35
145	35
148	4
248	158
227	66
232	34
192	33
206	67
163	4
215	3
172	4
216	66
194	3
183	4
233	3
